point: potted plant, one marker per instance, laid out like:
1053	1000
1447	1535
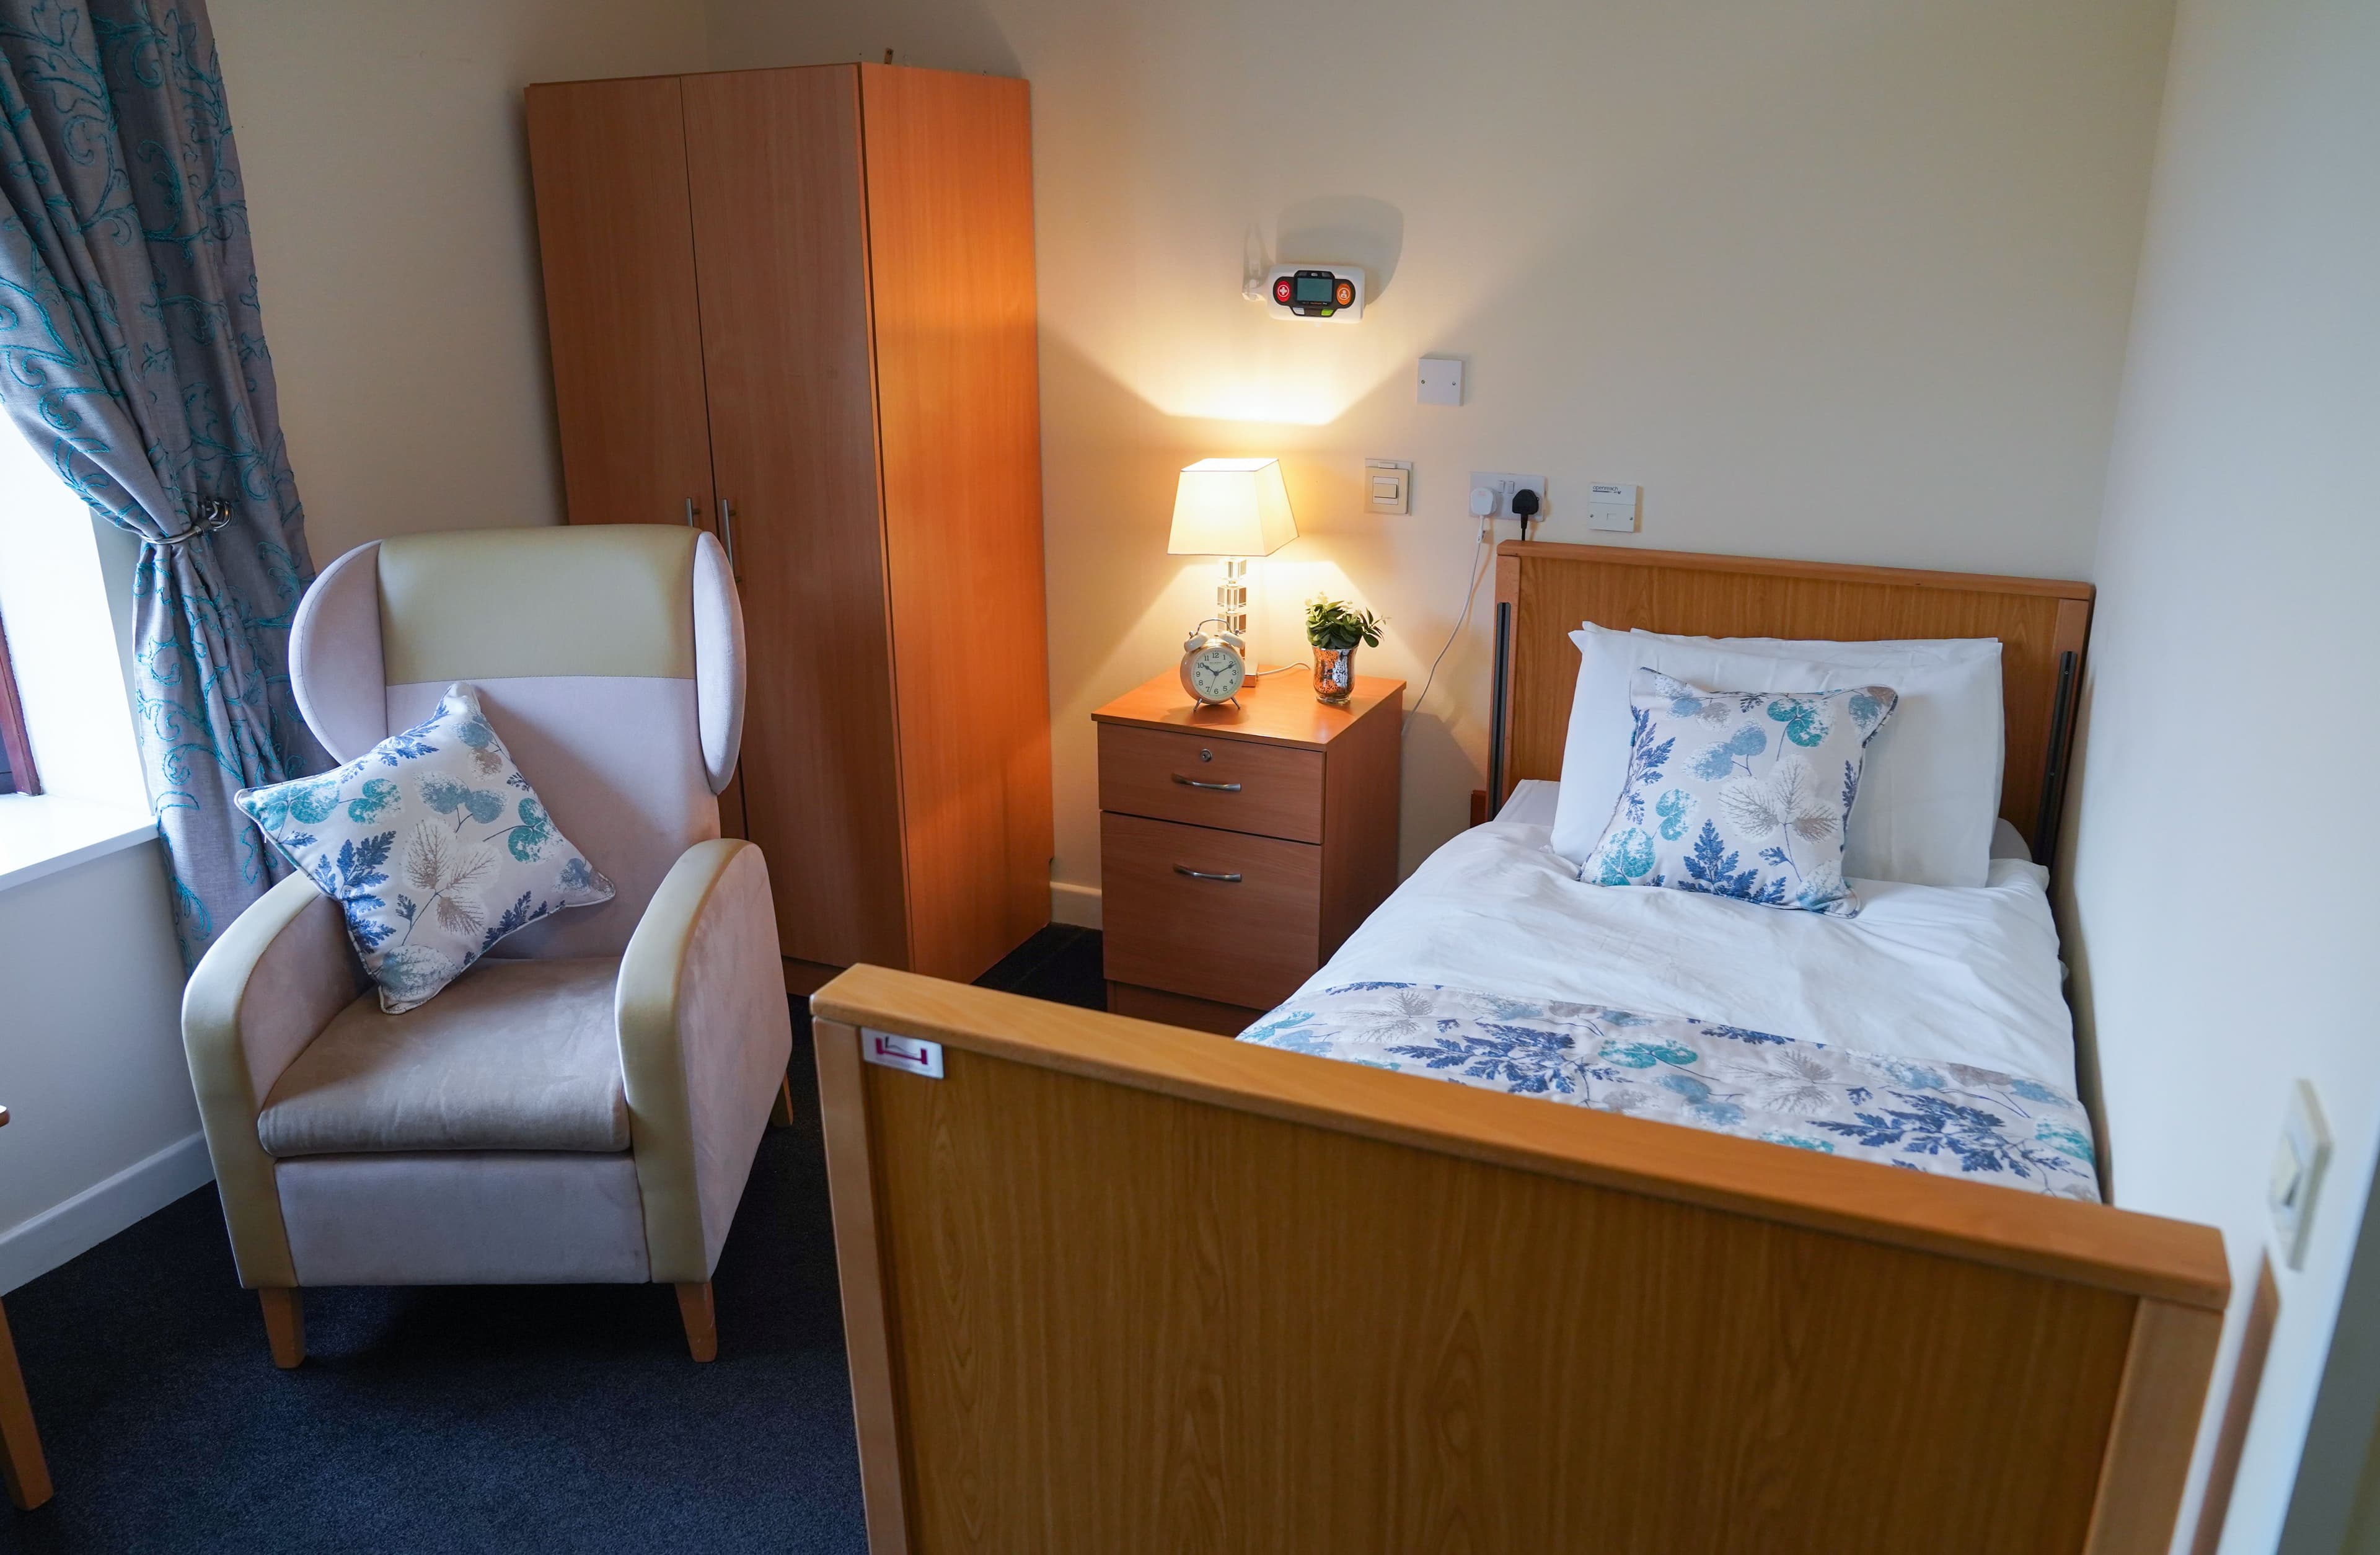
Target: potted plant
1334	628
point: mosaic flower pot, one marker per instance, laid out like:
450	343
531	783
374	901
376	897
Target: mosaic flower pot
1334	674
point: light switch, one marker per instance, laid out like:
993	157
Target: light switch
1388	484
1442	381
2297	1172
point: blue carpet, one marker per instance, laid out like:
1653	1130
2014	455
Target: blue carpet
466	1418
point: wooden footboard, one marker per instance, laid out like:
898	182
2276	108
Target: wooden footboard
1111	1286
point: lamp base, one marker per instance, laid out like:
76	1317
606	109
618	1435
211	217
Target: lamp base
1231	597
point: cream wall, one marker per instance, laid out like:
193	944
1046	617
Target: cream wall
104	1130
1842	279
2222	918
387	176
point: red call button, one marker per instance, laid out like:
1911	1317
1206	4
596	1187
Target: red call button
1346	294
1280	289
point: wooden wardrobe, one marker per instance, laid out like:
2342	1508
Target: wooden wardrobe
796	308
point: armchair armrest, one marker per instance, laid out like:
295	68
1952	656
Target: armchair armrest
705	1034
266	988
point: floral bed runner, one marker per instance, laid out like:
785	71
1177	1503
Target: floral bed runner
1946	1118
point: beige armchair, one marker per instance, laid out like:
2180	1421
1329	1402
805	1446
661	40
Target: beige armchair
585	1104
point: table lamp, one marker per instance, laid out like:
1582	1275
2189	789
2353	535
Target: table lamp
1235	509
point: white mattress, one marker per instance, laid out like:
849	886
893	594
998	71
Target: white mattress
1943	974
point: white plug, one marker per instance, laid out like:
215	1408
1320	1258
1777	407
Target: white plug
1484	502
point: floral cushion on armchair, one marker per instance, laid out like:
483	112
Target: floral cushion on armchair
1746	795
433	844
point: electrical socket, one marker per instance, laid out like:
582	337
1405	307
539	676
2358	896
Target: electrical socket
1504	484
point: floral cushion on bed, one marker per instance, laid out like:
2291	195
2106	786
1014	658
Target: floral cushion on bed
1746	795
434	845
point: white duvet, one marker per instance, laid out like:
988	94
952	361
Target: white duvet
1954	975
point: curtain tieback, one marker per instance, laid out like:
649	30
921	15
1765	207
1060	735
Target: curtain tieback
212	515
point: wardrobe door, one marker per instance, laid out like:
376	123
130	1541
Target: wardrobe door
615	235
950	210
780	258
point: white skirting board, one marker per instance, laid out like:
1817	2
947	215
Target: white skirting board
69	1230
1075	905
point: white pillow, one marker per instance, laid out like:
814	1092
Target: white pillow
1931	789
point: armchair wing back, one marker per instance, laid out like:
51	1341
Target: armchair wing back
608	657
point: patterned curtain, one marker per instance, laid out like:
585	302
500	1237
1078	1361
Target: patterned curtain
132	356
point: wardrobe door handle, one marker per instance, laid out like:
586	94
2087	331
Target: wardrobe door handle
1218	787
689	513
1232	878
727	535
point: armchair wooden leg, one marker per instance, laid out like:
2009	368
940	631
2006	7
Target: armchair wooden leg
22	1463
284	1325
701	1321
782	1114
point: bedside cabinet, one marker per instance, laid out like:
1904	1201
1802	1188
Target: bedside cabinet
1239	846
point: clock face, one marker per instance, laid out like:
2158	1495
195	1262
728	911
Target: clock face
1216	673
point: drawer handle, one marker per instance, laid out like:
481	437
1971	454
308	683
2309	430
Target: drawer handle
1218	787
1232	878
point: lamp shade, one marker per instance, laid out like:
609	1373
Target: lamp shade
1231	507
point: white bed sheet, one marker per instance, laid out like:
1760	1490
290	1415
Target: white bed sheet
1948	974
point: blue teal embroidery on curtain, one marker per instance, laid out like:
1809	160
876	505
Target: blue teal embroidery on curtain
132	356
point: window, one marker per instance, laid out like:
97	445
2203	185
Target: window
66	609
16	774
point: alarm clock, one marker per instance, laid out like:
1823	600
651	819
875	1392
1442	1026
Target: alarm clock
1214	666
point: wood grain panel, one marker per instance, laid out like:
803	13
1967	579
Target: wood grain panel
2170	1356
806	977
25	1471
782	240
1364	782
1281	711
1553	588
22	1466
1180	1009
2239	1409
616	239
1249	942
1150	772
1128	1321
949	213
2060	1238
867	1339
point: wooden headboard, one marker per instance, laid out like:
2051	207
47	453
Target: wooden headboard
1543	592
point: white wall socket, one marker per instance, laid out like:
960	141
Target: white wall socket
1504	484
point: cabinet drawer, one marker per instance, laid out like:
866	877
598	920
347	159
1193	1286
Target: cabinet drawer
1248	941
1269	789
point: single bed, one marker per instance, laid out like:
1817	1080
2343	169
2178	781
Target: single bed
1924	973
1928	1032
1112	1285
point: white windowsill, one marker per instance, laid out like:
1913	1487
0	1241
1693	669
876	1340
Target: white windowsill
44	833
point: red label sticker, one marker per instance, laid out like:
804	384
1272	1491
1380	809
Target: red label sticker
915	1054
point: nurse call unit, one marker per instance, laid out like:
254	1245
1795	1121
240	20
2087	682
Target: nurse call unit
1317	294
